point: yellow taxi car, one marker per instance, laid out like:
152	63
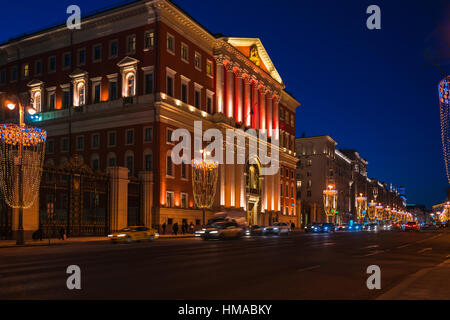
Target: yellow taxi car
136	233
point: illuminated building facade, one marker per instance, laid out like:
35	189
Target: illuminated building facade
115	90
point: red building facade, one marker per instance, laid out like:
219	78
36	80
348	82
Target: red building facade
114	91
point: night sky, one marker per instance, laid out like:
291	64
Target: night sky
372	91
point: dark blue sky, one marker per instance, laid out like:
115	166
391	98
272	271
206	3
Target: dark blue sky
370	90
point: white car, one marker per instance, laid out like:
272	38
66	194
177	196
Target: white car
278	228
222	231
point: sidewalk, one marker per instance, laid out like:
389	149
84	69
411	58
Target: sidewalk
55	242
427	284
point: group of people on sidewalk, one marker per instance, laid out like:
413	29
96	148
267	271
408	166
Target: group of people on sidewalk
39	234
185	228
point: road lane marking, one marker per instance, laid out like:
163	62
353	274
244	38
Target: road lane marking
424	250
404	246
309	268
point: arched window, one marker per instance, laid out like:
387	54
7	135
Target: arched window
95	162
81	94
131	85
111	160
148	160
37	101
129	162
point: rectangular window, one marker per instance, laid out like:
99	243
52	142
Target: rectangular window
184	200
52	64
148	134
170	43
197	99
130	136
113	48
281	190
209	68
184	92
66	99
97	54
112	162
66	60
131	44
95	141
149	40
51	101
148	162
169	136
26	70
112	90
14	73
169	86
183	171
198	61
38	68
2	77
209	105
111	139
50	146
149	83
184	52
80	143
95	164
169	164
170	199
130	165
64	144
97	93
81	57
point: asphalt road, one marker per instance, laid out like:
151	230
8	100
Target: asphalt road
298	266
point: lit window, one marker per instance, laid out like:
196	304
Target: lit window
149	39
81	94
184	200
37	101
131	46
209	67
130	85
170	43
184	52
198	61
26	70
170	199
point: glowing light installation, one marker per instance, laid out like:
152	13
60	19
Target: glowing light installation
204	182
361	207
330	197
371	213
444	101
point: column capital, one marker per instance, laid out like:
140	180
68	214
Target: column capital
239	73
219	59
229	66
247	78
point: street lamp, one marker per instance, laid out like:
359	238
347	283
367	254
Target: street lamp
387	213
379	212
372	210
361	207
330	196
204	182
22	151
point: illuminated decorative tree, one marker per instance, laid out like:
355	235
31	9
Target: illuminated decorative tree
330	197
22	152
361	207
444	100
204	182
379	212
371	213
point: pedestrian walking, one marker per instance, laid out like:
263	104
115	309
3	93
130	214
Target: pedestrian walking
292	226
191	228
62	233
164	228
183	228
175	228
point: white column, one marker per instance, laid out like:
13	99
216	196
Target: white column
219	83
239	97
262	108
247	109
230	90
146	178
118	198
269	113
255	104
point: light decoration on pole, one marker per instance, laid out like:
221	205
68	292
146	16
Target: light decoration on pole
379	211
204	182
444	101
361	206
387	213
22	151
330	197
371	213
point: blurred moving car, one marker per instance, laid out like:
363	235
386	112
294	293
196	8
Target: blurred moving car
396	226
222	231
355	228
277	228
255	230
136	233
309	227
411	226
387	227
372	227
342	227
328	227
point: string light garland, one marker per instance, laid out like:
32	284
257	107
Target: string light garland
22	151
361	206
444	101
330	197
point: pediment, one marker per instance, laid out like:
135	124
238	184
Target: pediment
254	50
35	83
78	73
127	61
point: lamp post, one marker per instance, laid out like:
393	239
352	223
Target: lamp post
204	182
21	158
330	196
361	207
